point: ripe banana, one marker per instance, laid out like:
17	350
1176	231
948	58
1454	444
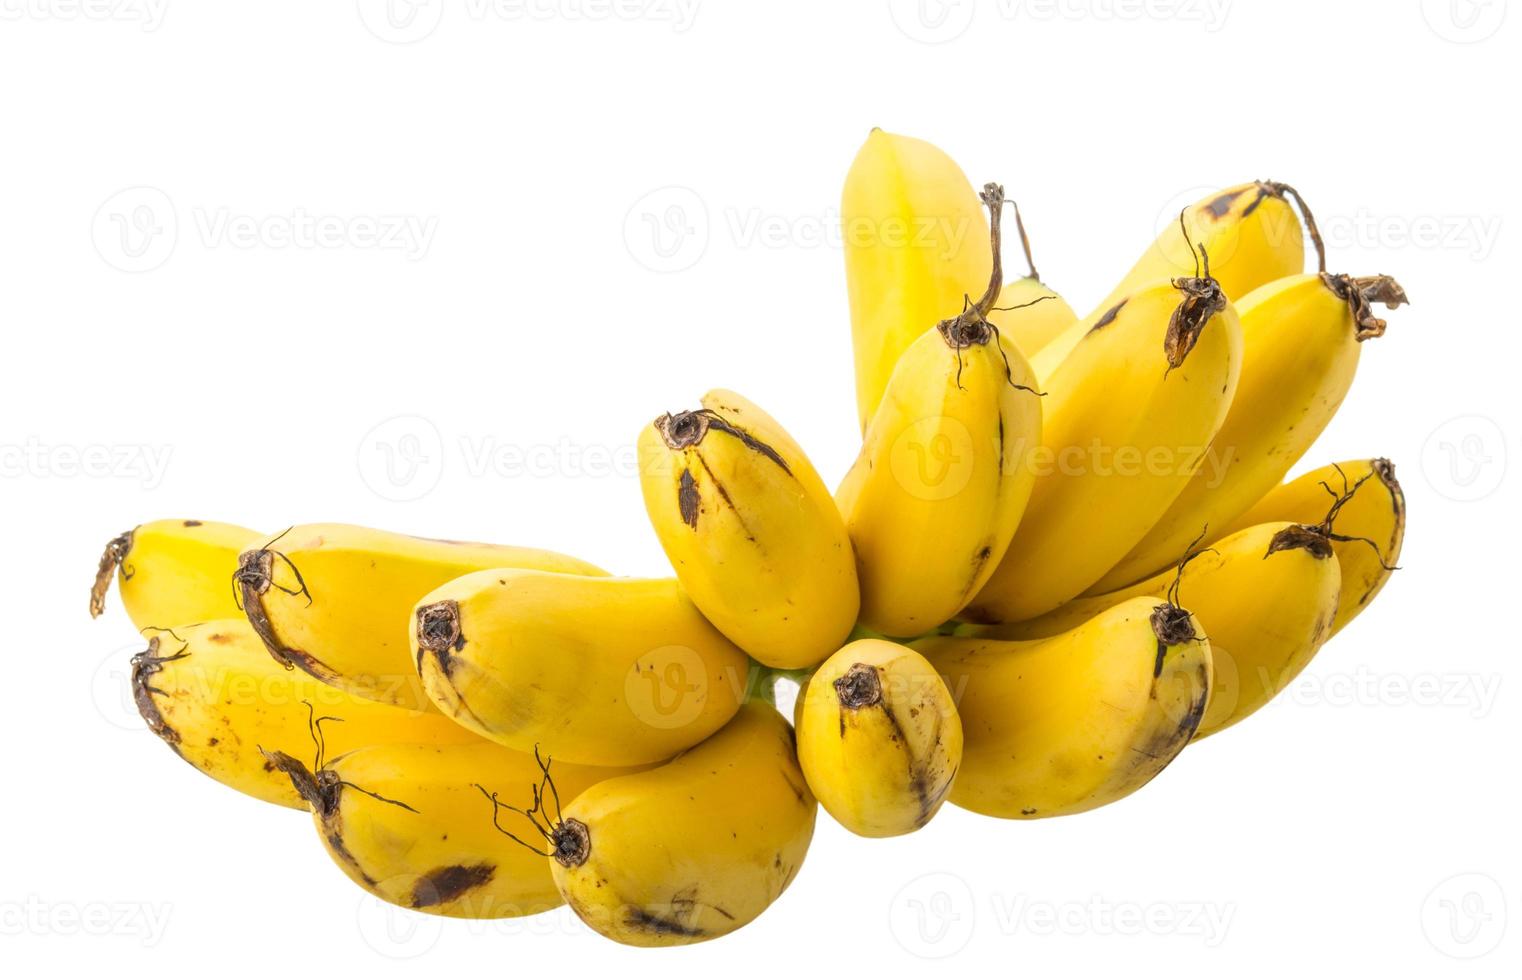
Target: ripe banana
1031	312
416	826
944	471
173	571
691	850
211	692
751	530
1250	232
1128	417
913	234
1266	596
1301	337
332	599
601	671
1075	721
1369	527
879	739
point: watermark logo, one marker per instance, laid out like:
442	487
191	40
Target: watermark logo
401	21
667	687
111	689
1464	21
1464	459
1465	916
933	916
667	229
933	458
135	230
932	21
402	458
393	932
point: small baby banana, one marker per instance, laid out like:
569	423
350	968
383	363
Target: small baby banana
914	245
172	571
1069	723
213	694
1127	418
1370	524
879	739
416	825
944	471
332	599
751	530
601	671
1301	338
691	850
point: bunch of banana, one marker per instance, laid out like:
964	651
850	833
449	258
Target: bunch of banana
944	472
1064	552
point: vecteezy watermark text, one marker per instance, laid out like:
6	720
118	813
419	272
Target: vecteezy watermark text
36	459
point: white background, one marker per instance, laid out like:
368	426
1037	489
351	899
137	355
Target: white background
1364	822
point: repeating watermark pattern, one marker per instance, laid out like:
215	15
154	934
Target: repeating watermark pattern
1465	916
667	229
1464	459
38	460
138	229
409	21
940	21
146	14
404	458
111	689
1464	21
936	915
396	933
1473	234
35	916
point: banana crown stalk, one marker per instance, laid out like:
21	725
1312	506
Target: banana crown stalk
1036	313
943	477
879	739
751	530
171	571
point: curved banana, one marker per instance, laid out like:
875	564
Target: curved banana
1127	418
751	530
1031	312
691	850
172	571
1250	232
603	671
333	599
1075	721
1369	527
879	739
1266	596
1301	336
211	692
416	825
913	235
944	471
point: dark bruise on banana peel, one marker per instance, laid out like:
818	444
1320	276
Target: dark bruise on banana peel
1173	626
687	430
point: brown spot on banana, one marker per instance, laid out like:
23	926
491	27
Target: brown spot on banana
446	884
1109	316
688	501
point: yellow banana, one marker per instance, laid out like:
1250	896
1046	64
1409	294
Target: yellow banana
879	738
1075	721
1127	418
691	850
1301	336
751	530
1250	232
211	692
1266	597
173	571
944	471
416	826
1369	527
332	599
913	234
603	671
